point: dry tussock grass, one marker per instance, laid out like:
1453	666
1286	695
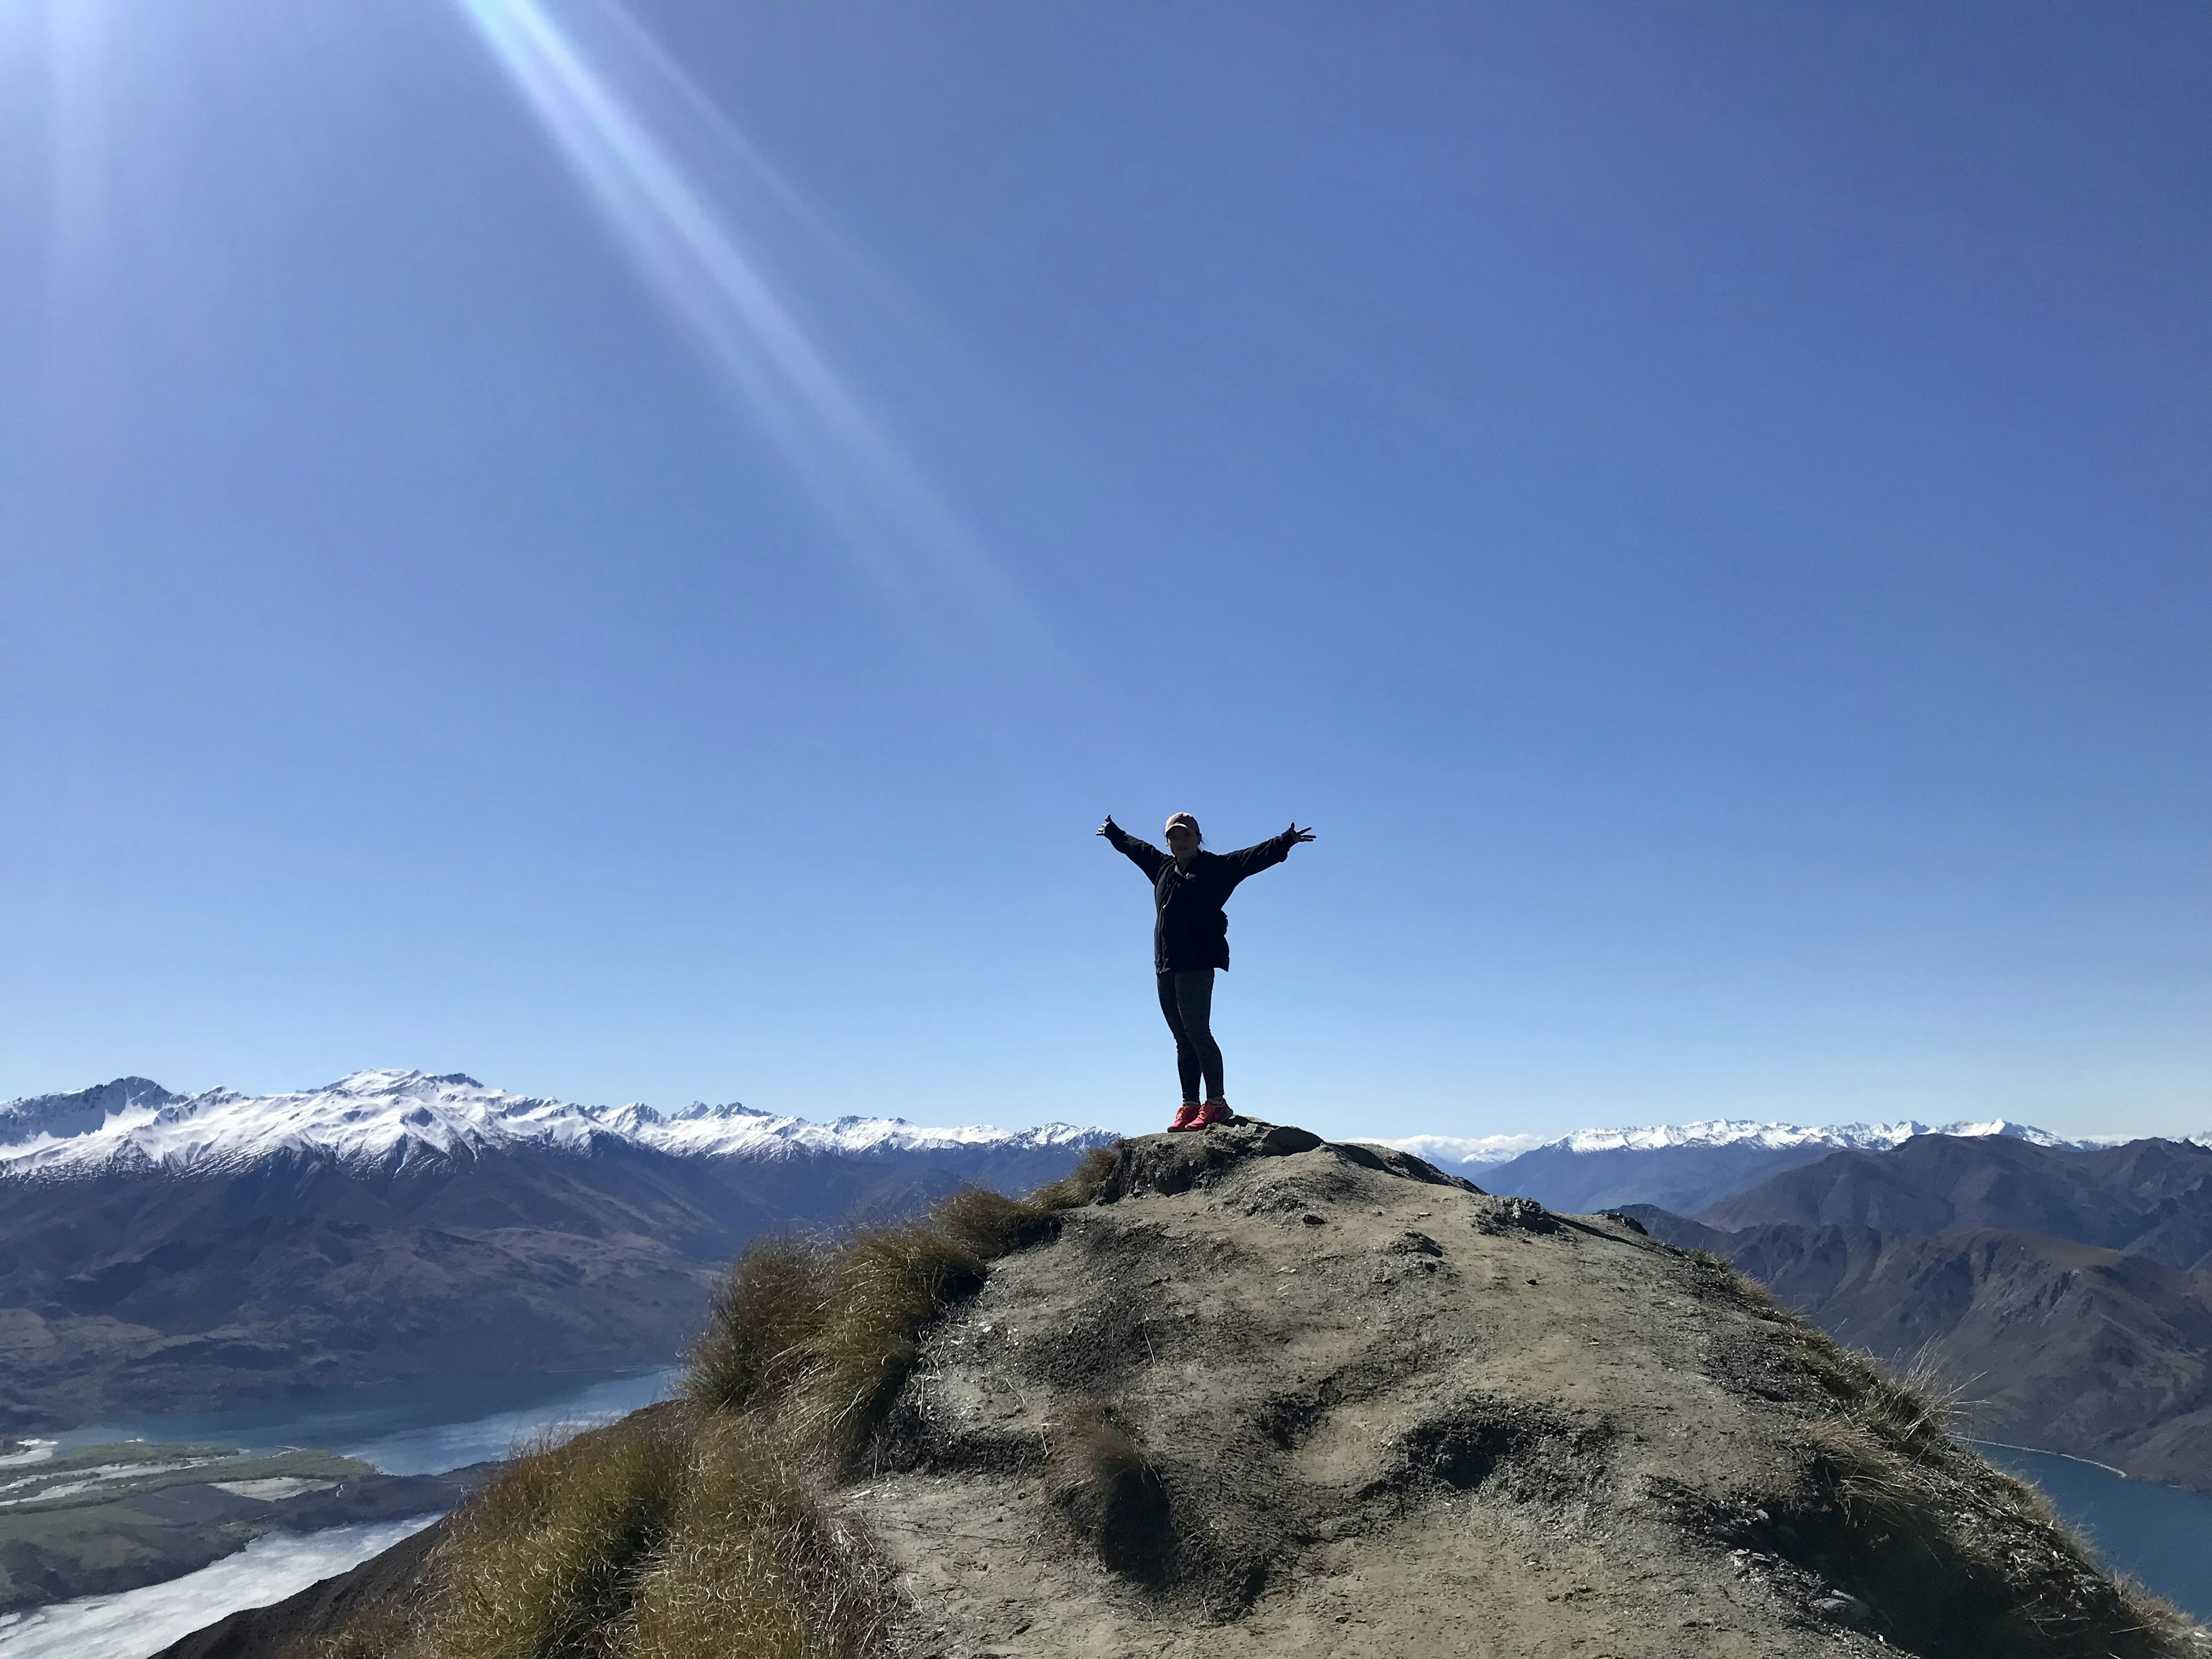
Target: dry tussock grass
694	1537
825	1334
991	1224
755	1564
698	1530
773	1300
886	1284
1080	1185
1110	1492
540	1563
1982	1543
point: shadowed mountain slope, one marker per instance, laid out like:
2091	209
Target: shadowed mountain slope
396	1227
2151	1197
2059	1344
1682	1179
1685	1167
123	1294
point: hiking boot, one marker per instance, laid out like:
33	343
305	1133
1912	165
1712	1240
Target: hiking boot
1188	1116
1215	1110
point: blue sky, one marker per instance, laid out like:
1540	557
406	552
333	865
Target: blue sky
625	553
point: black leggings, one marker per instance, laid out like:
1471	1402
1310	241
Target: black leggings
1186	1000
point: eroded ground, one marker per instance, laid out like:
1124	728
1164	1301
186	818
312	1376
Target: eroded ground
1390	1416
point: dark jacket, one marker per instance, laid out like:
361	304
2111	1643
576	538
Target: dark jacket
1189	927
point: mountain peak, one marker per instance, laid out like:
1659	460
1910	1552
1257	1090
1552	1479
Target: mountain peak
700	1109
1248	1390
388	1080
79	1110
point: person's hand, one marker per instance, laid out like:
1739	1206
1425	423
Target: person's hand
1298	835
1107	827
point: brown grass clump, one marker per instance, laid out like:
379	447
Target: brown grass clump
695	1535
773	1302
1111	1493
827	1334
1714	1279
885	1285
755	1566
991	1224
1916	1412
695	1529
1080	1185
541	1563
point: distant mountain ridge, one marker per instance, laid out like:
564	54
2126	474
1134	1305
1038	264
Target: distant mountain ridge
1681	1167
2069	1289
162	1252
2095	1353
1717	1132
1773	1136
376	1117
2151	1197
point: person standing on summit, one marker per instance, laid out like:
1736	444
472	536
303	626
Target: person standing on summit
1190	940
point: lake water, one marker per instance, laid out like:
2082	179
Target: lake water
406	1428
2162	1535
402	1431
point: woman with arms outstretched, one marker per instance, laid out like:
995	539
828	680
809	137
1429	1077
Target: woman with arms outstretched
1190	940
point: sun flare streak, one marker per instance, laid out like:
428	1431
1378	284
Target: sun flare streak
683	242
76	37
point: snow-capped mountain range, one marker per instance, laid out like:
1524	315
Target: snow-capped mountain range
164	1252
1685	1167
387	1117
1721	1132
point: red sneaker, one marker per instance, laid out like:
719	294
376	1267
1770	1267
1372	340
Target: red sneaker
1188	1116
1215	1110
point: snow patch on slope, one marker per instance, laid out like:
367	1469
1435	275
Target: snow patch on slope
395	1117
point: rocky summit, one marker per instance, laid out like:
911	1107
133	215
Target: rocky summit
1379	1412
1248	1392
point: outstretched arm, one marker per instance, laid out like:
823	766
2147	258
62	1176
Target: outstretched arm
1142	853
1251	860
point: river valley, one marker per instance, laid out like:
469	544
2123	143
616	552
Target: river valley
400	1431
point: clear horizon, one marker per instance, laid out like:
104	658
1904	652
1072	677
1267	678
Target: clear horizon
624	550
